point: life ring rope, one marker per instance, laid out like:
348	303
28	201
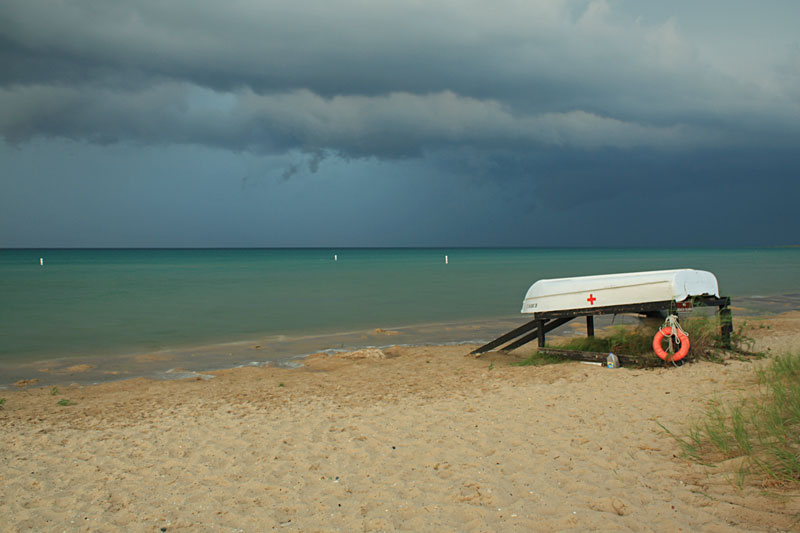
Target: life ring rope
672	330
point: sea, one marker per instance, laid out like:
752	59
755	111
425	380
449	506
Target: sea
117	313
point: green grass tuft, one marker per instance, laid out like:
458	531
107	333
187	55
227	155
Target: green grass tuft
704	337
762	430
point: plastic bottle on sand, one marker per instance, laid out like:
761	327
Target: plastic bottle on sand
612	361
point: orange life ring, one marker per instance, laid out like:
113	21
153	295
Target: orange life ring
665	332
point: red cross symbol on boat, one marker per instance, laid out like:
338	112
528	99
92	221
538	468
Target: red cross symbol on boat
591	299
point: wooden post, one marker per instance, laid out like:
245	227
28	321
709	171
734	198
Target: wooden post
589	326
725	325
551	325
541	333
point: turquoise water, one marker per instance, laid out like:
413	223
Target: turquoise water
108	302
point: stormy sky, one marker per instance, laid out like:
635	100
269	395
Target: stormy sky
399	123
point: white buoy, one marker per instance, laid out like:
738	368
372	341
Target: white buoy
445	260
41	261
335	257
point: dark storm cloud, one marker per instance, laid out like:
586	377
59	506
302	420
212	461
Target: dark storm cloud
392	125
384	79
317	123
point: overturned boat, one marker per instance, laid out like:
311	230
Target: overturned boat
554	302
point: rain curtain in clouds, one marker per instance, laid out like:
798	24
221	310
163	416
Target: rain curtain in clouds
532	106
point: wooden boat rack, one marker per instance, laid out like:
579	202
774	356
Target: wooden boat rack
547	321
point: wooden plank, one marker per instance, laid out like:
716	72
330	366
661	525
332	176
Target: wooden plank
641	308
711	301
550	326
511	335
600	357
607	310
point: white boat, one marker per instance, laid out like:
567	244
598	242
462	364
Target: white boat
591	292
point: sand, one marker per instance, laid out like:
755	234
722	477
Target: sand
416	439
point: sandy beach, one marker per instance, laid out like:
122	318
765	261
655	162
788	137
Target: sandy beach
416	439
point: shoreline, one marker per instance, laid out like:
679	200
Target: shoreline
269	351
416	438
289	351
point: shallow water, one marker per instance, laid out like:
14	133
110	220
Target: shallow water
109	306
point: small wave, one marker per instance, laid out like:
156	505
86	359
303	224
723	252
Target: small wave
180	373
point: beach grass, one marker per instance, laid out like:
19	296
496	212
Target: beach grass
760	432
703	331
704	336
620	339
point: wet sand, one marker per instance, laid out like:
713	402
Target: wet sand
404	438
